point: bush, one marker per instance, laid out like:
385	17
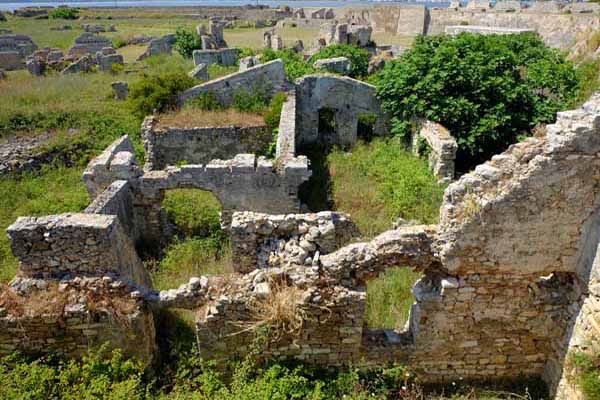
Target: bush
273	113
158	92
64	13
119	42
488	90
294	64
359	58
587	374
186	42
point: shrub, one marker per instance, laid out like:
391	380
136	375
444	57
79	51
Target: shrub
64	13
359	58
158	92
294	64
119	42
186	42
587	374
254	101
488	90
273	113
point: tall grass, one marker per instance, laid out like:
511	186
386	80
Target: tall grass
379	182
55	190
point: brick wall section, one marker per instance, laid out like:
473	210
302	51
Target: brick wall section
87	244
200	145
270	76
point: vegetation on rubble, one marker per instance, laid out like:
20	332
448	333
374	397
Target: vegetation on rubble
186	41
359	58
158	92
488	90
585	369
293	63
108	375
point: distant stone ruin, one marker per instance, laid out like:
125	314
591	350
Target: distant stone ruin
486	30
88	43
14	50
497	299
356	35
163	45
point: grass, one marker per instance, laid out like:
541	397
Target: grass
193	117
201	249
55	190
379	182
389	298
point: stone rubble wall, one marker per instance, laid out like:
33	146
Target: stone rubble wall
117	200
485	30
346	97
199	145
442	149
286	134
270	76
88	43
243	183
65	244
116	162
89	317
14	49
226	57
163	45
267	241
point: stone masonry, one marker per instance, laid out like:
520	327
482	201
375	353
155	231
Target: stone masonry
441	146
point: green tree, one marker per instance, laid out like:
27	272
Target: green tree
487	90
359	58
186	42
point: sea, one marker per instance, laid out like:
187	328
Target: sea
12	5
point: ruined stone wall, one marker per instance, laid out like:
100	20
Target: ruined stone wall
402	20
286	134
64	244
262	240
73	316
557	30
244	183
442	148
169	146
347	98
269	76
116	162
226	57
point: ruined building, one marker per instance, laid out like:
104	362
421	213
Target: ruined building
510	274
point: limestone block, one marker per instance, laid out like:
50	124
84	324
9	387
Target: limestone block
200	71
340	65
120	89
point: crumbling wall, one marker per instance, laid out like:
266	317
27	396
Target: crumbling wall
13	51
226	57
345	97
441	146
88	43
243	183
73	316
59	245
261	240
169	146
269	76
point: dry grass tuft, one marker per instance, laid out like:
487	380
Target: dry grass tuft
193	117
280	311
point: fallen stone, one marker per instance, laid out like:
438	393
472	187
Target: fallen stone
200	72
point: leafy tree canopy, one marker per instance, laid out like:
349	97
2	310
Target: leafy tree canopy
487	90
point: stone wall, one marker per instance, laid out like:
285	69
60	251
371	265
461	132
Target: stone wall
269	76
286	134
64	244
441	146
88	43
116	162
73	316
261	240
13	51
226	57
485	30
170	146
344	97
244	183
